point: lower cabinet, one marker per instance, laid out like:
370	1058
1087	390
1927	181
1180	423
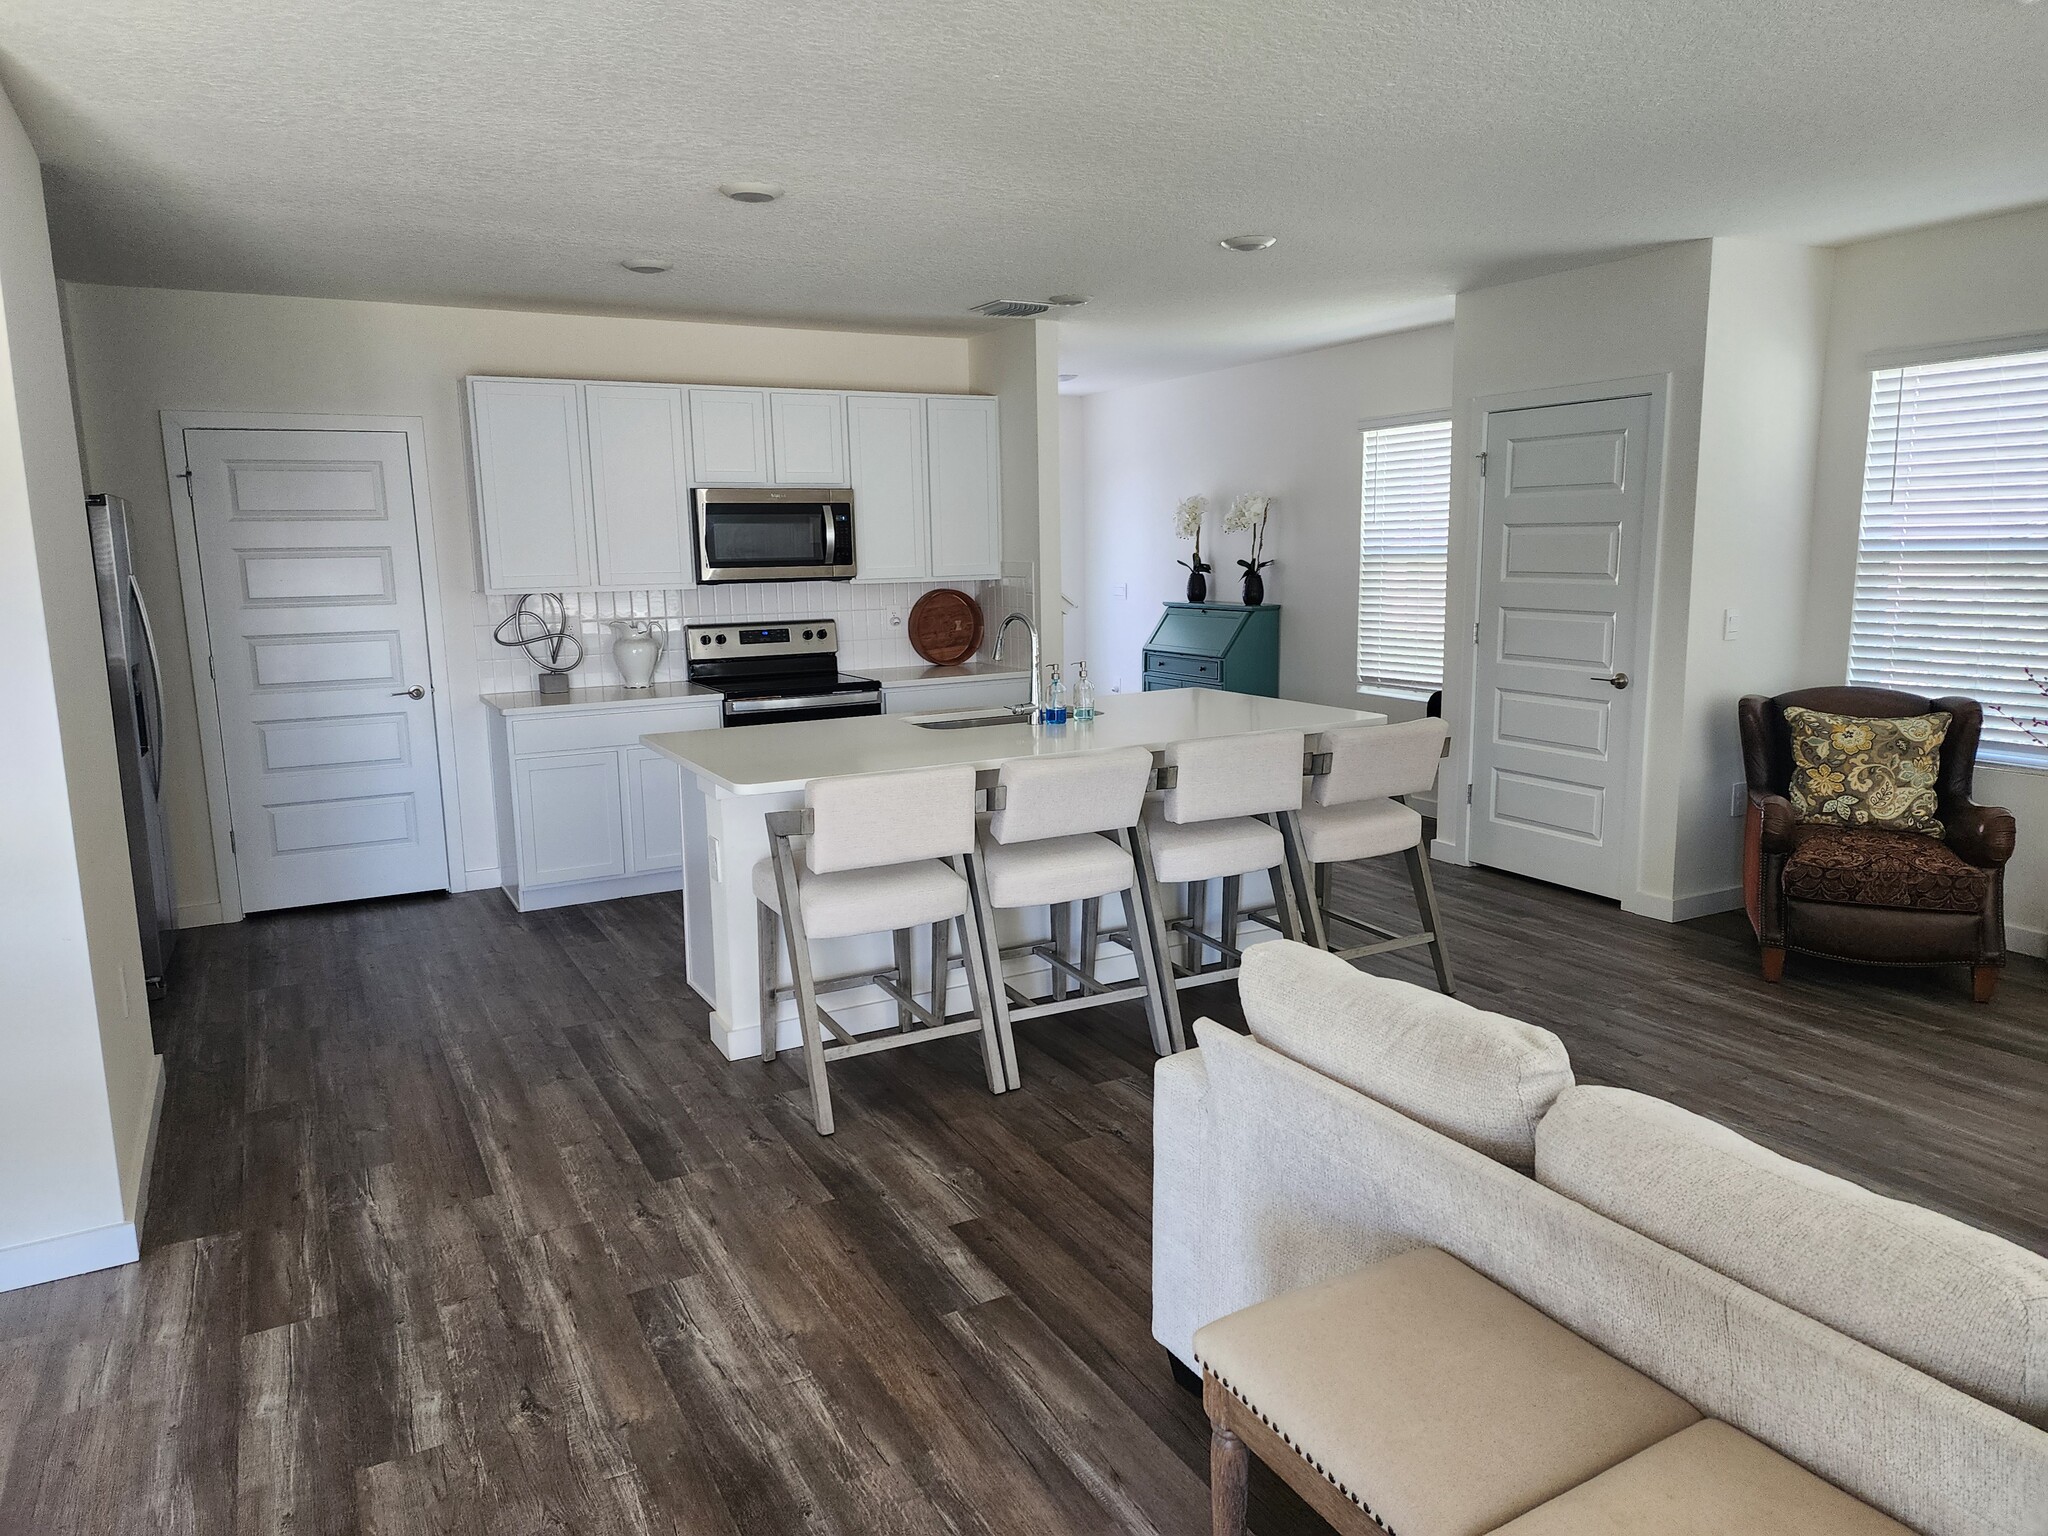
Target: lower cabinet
592	815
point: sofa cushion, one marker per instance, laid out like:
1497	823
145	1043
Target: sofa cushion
1968	1308
1861	867
1857	772
1708	1480
1431	1397
1480	1078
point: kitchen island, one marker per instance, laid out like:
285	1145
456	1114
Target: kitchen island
732	779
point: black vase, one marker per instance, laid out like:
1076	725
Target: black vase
1198	586
1254	589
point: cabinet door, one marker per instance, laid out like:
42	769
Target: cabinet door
729	436
807	437
571	823
654	810
966	481
533	500
886	468
639	485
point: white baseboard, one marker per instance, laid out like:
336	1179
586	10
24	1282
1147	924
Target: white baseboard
136	1200
2022	940
200	914
75	1253
1683	909
480	880
1446	853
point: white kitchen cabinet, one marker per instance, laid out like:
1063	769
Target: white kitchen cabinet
639	486
571	821
886	468
533	496
653	788
965	487
729	436
807	437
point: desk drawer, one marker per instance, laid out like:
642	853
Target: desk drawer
1158	684
1174	664
588	730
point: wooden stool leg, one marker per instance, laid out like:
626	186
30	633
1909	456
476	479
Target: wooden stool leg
1983	982
1774	962
906	974
941	970
1062	926
1229	1470
768	930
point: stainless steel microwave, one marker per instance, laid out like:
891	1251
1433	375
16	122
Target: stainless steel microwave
781	534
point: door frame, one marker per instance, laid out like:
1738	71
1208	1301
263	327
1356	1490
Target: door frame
199	635
1465	711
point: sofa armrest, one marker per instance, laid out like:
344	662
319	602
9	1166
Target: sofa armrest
1778	821
1182	1192
1984	835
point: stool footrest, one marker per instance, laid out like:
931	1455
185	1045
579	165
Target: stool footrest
889	1040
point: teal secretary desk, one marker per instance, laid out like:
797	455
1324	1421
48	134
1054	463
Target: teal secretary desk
1215	645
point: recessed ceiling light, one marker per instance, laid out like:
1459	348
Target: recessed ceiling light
1067	300
1009	309
750	191
1246	243
646	264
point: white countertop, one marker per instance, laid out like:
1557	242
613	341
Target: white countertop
961	672
598	698
766	759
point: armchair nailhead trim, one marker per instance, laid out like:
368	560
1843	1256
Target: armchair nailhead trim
1370	1513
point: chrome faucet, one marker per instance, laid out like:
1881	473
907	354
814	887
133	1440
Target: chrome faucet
1037	702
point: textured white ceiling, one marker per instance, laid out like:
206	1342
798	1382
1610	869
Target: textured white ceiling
937	155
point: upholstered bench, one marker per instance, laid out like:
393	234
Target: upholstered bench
1416	1396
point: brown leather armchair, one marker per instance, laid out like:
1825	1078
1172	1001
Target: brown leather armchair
1876	897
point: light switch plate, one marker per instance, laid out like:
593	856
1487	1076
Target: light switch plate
1731	623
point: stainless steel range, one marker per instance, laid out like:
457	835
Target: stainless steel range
770	673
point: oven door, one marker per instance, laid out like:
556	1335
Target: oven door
774	535
779	709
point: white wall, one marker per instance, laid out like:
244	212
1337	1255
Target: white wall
1287	428
138	352
1645	316
1073	586
78	1078
1018	363
1980	280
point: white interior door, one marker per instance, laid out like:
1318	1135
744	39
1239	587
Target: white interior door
316	622
1564	513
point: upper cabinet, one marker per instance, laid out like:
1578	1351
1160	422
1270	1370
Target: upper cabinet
586	486
966	487
530	484
886	468
729	436
639	485
807	437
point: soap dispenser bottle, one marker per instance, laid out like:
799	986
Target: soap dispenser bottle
1056	700
1084	696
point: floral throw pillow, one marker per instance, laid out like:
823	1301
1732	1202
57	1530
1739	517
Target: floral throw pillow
1852	772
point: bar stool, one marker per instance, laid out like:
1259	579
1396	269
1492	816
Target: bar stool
1352	815
883	853
1209	823
1058	835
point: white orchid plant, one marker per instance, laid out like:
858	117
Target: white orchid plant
1187	524
1248	514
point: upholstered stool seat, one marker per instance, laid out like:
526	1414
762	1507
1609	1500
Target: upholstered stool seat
1056	869
851	901
1432	1398
1866	867
1210	850
1366	829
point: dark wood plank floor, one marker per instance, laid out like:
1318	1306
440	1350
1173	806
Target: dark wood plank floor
459	1225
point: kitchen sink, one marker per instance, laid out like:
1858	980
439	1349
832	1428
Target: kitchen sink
977	718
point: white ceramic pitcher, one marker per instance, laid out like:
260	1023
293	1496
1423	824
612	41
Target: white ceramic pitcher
638	650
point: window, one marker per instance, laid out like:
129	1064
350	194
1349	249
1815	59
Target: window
1404	520
1952	566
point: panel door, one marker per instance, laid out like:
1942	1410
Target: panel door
965	487
886	468
533	498
1564	512
570	815
653	787
807	437
316	621
639	485
729	436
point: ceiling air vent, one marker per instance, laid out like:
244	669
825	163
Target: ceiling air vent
1011	309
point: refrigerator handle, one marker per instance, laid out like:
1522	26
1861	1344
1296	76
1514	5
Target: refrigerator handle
156	688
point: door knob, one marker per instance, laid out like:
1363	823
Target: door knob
1617	682
414	692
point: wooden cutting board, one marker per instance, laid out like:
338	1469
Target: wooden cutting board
945	626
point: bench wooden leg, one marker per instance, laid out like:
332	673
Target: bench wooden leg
1774	963
1229	1470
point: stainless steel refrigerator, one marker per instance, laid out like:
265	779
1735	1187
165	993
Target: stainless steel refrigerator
136	682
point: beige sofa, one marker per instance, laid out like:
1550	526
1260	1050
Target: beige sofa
1739	1331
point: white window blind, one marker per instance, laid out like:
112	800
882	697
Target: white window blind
1403	530
1952	566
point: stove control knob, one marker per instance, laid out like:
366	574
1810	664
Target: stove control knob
703	639
807	634
721	639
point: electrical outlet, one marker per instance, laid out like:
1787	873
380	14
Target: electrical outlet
1738	799
1120	590
895	618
